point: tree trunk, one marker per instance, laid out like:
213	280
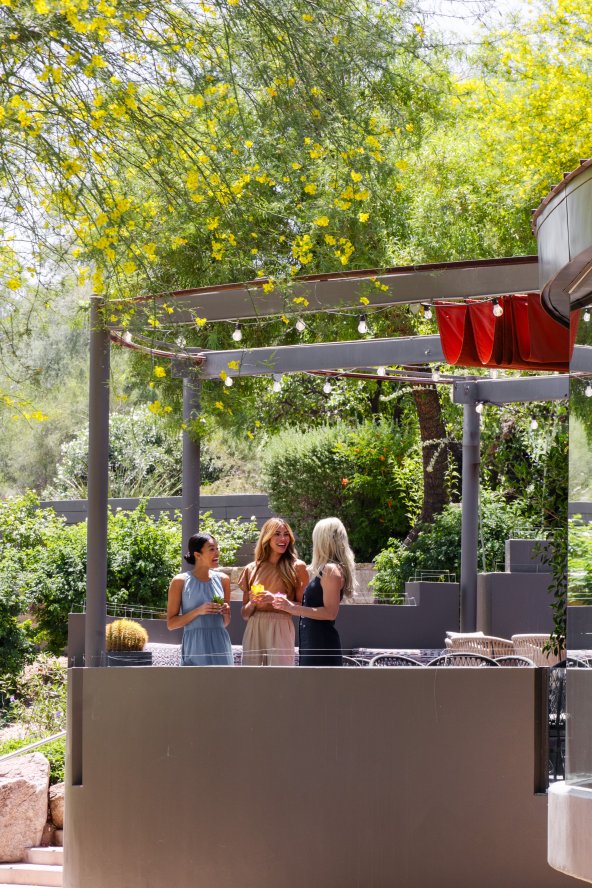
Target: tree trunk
434	441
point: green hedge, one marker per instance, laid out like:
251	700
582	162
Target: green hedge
437	548
369	476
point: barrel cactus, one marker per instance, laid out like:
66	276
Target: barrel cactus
125	635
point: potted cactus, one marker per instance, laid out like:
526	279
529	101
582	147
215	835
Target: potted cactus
125	640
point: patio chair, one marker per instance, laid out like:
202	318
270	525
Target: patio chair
514	661
531	646
393	660
462	658
489	645
351	661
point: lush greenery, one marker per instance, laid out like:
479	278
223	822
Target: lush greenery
43	562
54	752
436	552
580	562
369	476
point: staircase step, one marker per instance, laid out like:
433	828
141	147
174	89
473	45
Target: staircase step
50	855
34	874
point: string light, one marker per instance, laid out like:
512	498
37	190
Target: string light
586	316
277	383
479	407
493	374
533	424
327	388
181	341
362	325
300	325
427	310
436	375
381	371
237	334
127	337
228	381
588	391
414	308
498	308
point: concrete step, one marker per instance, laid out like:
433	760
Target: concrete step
49	855
38	875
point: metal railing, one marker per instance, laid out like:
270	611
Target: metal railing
30	746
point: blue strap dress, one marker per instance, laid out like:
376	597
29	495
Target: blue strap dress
205	640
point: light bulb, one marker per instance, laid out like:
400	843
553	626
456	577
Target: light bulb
493	374
414	307
300	325
237	334
498	308
436	375
277	384
381	371
479	407
181	341
228	381
327	388
362	325
586	316
127	336
588	391
533	424
427	310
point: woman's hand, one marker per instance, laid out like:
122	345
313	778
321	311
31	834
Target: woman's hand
281	603
210	607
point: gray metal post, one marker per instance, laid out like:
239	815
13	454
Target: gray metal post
470	518
191	461
98	487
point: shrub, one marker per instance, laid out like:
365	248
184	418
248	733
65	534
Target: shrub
54	752
580	562
369	476
48	573
437	548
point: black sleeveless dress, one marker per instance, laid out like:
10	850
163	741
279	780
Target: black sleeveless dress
319	640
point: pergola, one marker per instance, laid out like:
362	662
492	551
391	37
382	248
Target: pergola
235	302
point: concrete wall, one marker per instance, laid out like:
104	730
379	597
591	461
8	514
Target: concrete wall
513	603
579	627
364	625
237	505
283	778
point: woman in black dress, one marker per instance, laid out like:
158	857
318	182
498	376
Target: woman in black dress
333	577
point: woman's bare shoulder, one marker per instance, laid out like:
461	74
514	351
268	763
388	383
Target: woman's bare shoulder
332	570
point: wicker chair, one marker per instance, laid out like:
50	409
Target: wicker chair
514	661
393	660
351	661
489	645
462	658
531	646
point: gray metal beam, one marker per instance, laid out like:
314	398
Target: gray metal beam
453	280
470	517
98	487
512	390
322	356
191	463
581	361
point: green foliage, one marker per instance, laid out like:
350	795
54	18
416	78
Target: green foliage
125	635
48	558
54	752
369	476
437	548
144	460
580	562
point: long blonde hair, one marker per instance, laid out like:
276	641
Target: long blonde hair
330	545
287	563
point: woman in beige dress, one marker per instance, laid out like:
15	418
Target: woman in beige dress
270	635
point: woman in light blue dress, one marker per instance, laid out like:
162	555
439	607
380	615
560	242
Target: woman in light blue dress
199	601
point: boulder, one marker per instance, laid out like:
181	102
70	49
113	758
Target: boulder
24	783
56	805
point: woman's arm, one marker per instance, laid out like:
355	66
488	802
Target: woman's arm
175	619
302	579
226	607
331	584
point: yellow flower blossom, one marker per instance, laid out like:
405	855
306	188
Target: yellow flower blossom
321	221
199	322
159	372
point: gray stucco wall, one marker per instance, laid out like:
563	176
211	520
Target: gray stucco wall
283	778
513	603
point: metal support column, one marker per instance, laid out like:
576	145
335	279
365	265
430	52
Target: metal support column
98	487
191	461
470	518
